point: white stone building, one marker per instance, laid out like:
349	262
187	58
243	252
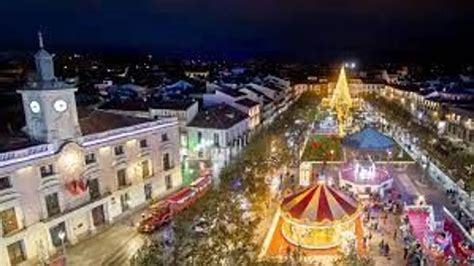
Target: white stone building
218	134
73	175
238	100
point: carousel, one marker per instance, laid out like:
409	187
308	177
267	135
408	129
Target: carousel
319	217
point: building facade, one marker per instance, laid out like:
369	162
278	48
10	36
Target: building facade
76	175
218	134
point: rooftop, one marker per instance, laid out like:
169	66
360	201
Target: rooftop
172	104
231	92
368	139
99	121
247	102
218	117
127	105
266	99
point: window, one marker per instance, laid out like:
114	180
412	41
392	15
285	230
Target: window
145	169
148	191
216	139
46	170
16	252
89	158
164	137
8	220
5	183
55	231
122	178
125	202
118	150
143	143
166	162
52	204
199	137
94	190
168	182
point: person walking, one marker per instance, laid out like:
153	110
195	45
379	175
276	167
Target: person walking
395	232
405	251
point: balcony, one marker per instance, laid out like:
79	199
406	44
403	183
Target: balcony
49	181
12	232
8	194
69	208
124	185
144	152
120	160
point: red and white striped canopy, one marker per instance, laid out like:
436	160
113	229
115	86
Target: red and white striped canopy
320	204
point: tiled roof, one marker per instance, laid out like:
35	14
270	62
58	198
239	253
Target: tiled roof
175	104
231	92
100	121
218	117
266	99
128	105
247	102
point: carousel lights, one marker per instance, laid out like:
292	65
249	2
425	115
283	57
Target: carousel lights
364	173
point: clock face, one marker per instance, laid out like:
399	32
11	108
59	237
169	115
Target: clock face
60	105
35	107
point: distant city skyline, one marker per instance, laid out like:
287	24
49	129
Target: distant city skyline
239	29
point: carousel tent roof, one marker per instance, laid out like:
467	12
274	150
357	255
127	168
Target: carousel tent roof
368	139
319	203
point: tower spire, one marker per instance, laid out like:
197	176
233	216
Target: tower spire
40	39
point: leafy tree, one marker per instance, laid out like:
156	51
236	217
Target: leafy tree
353	259
227	229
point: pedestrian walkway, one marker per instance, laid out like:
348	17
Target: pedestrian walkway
406	187
113	246
386	232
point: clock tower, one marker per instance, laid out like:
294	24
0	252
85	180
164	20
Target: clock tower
48	103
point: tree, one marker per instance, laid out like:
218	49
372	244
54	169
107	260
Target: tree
353	259
227	234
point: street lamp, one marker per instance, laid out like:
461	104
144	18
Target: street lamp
62	236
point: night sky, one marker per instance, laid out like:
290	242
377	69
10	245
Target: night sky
287	28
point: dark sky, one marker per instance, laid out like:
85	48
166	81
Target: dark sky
292	28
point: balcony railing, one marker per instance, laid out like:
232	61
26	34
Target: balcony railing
123	186
71	208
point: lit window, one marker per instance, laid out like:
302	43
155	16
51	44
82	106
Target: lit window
8	221
122	178
46	170
145	169
16	252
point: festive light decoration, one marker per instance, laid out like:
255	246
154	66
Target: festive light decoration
341	103
318	217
